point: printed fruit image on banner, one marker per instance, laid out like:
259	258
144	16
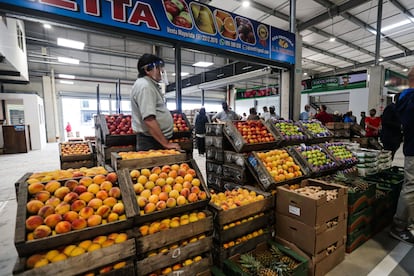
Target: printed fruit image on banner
263	34
177	13
245	30
225	24
203	18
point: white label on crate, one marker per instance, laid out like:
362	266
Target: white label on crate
294	210
176	253
178	272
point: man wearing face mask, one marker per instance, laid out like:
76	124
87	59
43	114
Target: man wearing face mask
151	119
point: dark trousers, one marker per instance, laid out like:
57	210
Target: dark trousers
145	143
201	145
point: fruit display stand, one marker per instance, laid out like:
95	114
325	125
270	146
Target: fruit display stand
291	132
81	257
246	136
60	212
146	159
259	164
162	192
265	256
344	157
318	132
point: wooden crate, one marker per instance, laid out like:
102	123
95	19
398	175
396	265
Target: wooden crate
127	270
82	263
286	140
240	145
169	212
234	158
265	179
222	217
179	134
20	182
178	255
107	151
76	157
200	268
77	164
214	129
151	161
25	247
234	172
113	140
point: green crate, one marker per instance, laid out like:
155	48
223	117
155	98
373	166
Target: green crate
358	237
359	218
232	268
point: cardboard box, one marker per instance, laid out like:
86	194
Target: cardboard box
310	239
308	210
322	264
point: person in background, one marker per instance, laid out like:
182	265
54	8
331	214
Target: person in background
200	130
362	121
391	134
68	129
353	118
404	216
336	116
244	117
226	114
151	119
323	116
348	118
372	124
253	114
304	116
272	113
266	114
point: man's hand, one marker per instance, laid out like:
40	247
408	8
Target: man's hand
172	146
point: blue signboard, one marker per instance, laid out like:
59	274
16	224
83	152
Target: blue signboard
182	20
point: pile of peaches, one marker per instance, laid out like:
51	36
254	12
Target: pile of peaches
231	199
65	174
146	154
74	149
254	132
59	207
166	187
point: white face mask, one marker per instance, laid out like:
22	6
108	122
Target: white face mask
164	77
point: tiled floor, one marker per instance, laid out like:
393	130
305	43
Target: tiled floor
381	255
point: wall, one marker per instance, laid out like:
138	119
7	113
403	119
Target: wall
33	116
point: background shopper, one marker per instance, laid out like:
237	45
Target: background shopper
200	130
226	114
391	134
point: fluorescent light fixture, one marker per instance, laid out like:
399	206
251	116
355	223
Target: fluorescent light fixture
203	64
47	26
380	59
332	39
405	69
183	74
66	82
68	60
396	25
65	76
245	4
305	74
70	43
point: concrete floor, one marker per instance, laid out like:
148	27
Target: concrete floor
381	255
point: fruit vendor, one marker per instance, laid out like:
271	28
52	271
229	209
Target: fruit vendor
226	114
151	119
404	216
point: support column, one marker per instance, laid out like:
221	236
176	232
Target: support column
376	88
284	93
298	79
50	109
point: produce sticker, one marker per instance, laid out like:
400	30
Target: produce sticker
182	20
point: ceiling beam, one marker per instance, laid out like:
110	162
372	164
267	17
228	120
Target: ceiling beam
333	10
319	63
324	52
403	9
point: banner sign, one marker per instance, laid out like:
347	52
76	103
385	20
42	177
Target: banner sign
395	81
257	92
183	20
341	82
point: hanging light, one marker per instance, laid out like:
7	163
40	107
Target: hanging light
245	3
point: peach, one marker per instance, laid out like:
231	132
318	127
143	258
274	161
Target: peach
115	192
79	223
102	194
181	172
86	212
202	195
86	181
32	260
107	243
144	230
160	182
181	200
169	181
195	182
161	205
195	189
185	192
112	177
192	172
179	180
192	197
163	196
156	170
99	239
146	193
33	206
42	196
193	217
171	202
154	228
71	184
30	236
52	220
173	174
153	198
68	249
106	186
93	247
62	208
174	193
51	254
149	185
70	216
61	192
119	265
142	179
184	221
112	236
78	205
134	174
94	220
59	257
41	262
118	208
166	168
163	175
63	227
93	188
110	201
46	210
145	172
153	177
142	201
201	215
156	190
86	196
174	223
188	177
42	231
178	187
80	189
70	197
85	244
138	188
187	184
99	178
149	208
103	211
112	217
184	166
175	167
33	221
77	251
53	201
176	267
95	203
35	188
